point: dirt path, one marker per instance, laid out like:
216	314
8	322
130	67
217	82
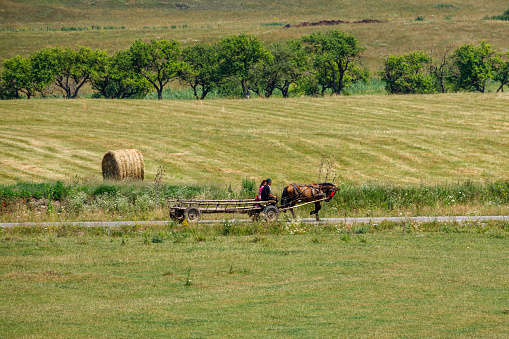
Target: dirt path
365	220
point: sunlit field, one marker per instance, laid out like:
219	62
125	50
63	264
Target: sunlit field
283	281
399	139
32	25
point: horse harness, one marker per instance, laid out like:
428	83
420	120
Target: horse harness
316	192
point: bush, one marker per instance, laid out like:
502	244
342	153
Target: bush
248	187
473	66
407	74
504	16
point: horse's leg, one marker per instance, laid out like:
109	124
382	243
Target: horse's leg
318	207
293	214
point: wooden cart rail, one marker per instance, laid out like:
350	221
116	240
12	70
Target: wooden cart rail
218	202
214	201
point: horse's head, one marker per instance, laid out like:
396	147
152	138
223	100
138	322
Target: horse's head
328	189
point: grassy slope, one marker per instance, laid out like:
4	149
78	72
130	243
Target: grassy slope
210	21
404	139
421	285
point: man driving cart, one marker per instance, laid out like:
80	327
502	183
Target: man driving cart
266	194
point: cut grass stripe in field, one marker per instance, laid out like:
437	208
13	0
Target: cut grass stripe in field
421	138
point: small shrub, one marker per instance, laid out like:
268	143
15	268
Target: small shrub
77	202
227	227
110	189
444	6
273	24
59	191
345	237
361	229
146	238
504	16
157	238
419	18
248	186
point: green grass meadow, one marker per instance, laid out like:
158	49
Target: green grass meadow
448	281
390	155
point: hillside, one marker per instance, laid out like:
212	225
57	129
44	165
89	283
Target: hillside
31	25
401	139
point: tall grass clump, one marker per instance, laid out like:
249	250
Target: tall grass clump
28	191
370	87
390	197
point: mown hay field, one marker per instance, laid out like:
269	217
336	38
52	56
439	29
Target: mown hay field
398	139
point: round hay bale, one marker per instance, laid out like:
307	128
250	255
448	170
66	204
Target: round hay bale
123	164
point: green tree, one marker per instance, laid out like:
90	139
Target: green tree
66	68
440	67
407	74
238	54
45	65
73	69
156	61
6	92
473	66
117	81
334	54
200	69
18	76
502	73
287	65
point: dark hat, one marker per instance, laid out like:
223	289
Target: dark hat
269	180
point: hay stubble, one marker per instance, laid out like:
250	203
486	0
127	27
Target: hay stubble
426	138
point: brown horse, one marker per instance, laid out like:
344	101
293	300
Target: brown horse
294	193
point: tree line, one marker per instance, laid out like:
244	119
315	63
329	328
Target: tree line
467	68
315	64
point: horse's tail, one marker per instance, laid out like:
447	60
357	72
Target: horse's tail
284	197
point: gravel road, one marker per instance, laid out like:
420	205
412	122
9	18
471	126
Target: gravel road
365	220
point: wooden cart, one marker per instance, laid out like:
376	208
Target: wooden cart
192	209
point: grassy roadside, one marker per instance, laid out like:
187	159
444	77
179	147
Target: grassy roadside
58	202
195	282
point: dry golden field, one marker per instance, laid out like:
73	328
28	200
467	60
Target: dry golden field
400	139
445	24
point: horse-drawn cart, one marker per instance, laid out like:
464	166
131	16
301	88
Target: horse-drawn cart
293	196
192	209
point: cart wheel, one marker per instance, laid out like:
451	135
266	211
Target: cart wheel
254	215
192	214
270	213
177	216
